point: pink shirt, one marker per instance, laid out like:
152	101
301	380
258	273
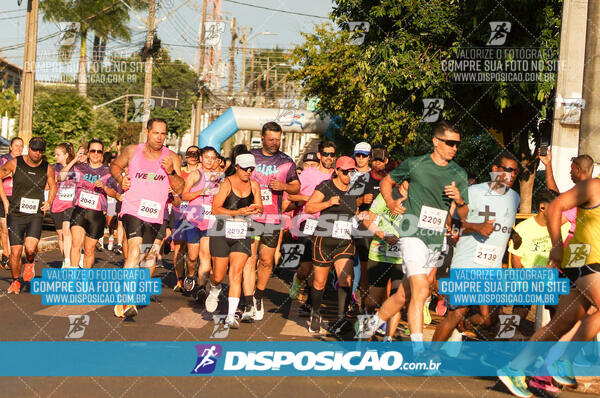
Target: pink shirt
146	199
7	183
199	210
65	190
309	179
570	215
87	194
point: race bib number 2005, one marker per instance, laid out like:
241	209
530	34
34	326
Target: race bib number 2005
149	208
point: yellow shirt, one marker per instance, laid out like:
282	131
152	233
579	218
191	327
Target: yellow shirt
584	247
535	249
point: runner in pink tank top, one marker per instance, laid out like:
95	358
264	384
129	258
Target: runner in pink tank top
16	149
152	169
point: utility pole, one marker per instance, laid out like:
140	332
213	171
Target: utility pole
28	81
199	104
244	38
126	106
267	78
232	61
148	77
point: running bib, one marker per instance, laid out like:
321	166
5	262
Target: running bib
432	219
66	194
183	206
149	208
393	251
487	255
207	212
89	200
342	229
266	196
310	225
29	206
236	229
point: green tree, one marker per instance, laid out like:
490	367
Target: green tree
377	88
9	103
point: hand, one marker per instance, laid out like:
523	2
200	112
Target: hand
362	216
556	255
126	183
486	228
167	164
255	208
276	185
334	201
119	197
246	211
391	240
368	199
99	183
81	156
453	192
397	206
45	206
546	160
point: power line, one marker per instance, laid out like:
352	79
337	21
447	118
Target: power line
276	9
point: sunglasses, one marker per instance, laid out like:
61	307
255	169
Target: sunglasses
328	154
247	169
450	143
509	169
346	172
95	151
192	154
361	155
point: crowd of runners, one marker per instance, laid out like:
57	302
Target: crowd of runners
381	235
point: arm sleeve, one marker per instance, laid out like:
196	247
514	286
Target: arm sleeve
401	172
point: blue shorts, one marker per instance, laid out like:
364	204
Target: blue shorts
186	231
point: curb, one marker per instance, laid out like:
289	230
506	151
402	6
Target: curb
48	244
588	385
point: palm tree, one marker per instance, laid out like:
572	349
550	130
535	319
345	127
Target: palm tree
106	18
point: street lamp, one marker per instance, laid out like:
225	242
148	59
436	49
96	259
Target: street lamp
244	41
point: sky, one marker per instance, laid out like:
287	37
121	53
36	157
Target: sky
178	32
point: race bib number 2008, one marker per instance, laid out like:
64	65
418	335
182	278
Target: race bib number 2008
29	206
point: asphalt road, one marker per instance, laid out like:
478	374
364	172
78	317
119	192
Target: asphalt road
179	318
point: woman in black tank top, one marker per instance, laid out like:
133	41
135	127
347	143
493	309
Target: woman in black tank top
230	243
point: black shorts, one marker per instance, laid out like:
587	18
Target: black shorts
93	221
362	247
135	228
328	250
21	227
162	232
221	246
61	217
379	273
2	212
269	233
307	242
575	273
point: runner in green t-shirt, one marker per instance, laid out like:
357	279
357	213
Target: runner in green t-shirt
437	185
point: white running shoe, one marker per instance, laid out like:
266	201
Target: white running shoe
259	310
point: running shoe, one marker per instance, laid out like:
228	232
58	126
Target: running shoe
515	382
99	247
15	287
212	300
119	311
542	386
315	323
178	286
130	311
189	283
426	314
562	373
29	272
232	322
4	263
440	307
259	312
382	329
368	326
248	314
388	339
296	287
118	249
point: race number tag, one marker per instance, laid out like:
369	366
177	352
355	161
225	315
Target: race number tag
266	197
393	251
432	219
342	229
236	229
487	255
29	206
149	208
207	213
310	226
89	200
66	194
183	206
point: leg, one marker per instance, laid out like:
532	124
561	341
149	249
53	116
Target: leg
204	269
4	237
61	247
320	279
590	324
16	252
30	249
77	239
374	298
89	252
265	266
249	274
396	301
444	329
66	230
419	287
395	319
237	261
133	252
344	270
193	249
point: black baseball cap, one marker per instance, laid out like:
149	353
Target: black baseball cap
310	157
379	154
37	144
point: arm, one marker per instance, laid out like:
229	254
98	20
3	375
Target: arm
298	198
315	203
257	198
550	182
79	157
189	183
51	181
119	164
175	180
516	261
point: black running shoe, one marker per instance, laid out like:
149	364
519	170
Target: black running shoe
315	323
189	283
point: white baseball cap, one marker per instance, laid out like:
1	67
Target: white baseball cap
245	160
363	148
